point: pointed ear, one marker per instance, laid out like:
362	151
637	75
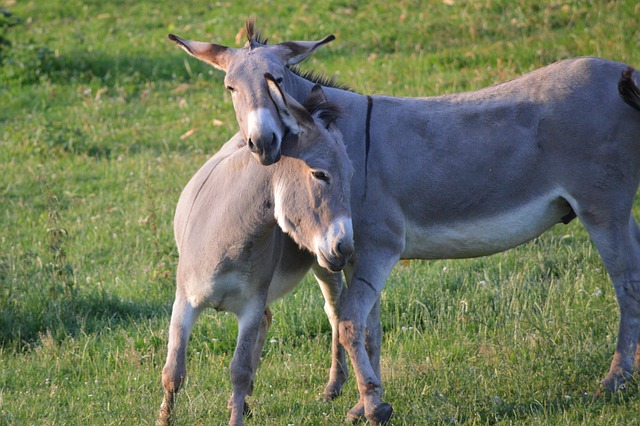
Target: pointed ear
321	108
214	54
294	52
317	93
281	101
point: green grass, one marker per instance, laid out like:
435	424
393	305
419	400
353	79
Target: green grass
103	121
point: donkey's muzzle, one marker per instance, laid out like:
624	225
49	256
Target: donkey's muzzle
267	152
334	257
337	260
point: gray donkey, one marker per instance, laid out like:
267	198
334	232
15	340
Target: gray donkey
463	175
242	230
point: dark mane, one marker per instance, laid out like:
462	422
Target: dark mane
255	38
319	78
253	35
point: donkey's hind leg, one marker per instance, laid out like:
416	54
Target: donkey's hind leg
332	286
265	324
636	230
242	365
183	316
257	352
619	248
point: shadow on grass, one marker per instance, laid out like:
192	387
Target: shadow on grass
498	411
23	322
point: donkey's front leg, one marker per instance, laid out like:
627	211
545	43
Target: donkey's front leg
373	342
359	302
242	368
183	317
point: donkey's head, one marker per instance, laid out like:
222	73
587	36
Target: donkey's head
245	69
312	182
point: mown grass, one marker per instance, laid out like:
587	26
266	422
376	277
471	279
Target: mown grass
104	121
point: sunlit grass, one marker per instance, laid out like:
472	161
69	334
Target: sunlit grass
103	121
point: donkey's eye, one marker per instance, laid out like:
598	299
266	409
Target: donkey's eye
279	80
320	175
231	89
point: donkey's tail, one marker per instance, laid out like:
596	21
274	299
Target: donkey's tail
628	89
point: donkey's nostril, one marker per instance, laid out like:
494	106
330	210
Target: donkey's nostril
344	249
274	140
252	146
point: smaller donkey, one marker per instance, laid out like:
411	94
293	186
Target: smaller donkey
240	227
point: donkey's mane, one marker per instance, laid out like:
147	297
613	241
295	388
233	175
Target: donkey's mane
318	77
255	38
253	35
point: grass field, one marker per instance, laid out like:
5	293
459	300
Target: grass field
103	121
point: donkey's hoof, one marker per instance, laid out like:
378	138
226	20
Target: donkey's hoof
163	420
246	411
332	391
356	414
381	415
165	417
614	382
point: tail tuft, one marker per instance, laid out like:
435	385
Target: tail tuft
628	89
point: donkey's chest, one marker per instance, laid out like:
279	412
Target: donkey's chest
472	236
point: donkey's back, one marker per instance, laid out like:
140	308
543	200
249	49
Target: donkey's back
498	166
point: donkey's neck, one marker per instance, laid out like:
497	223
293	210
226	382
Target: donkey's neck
257	197
299	87
355	120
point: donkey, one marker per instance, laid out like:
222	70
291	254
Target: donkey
464	175
247	234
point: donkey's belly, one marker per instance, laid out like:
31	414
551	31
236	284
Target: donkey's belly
283	282
479	236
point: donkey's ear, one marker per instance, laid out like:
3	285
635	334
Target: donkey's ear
317	94
283	104
294	52
319	107
214	54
